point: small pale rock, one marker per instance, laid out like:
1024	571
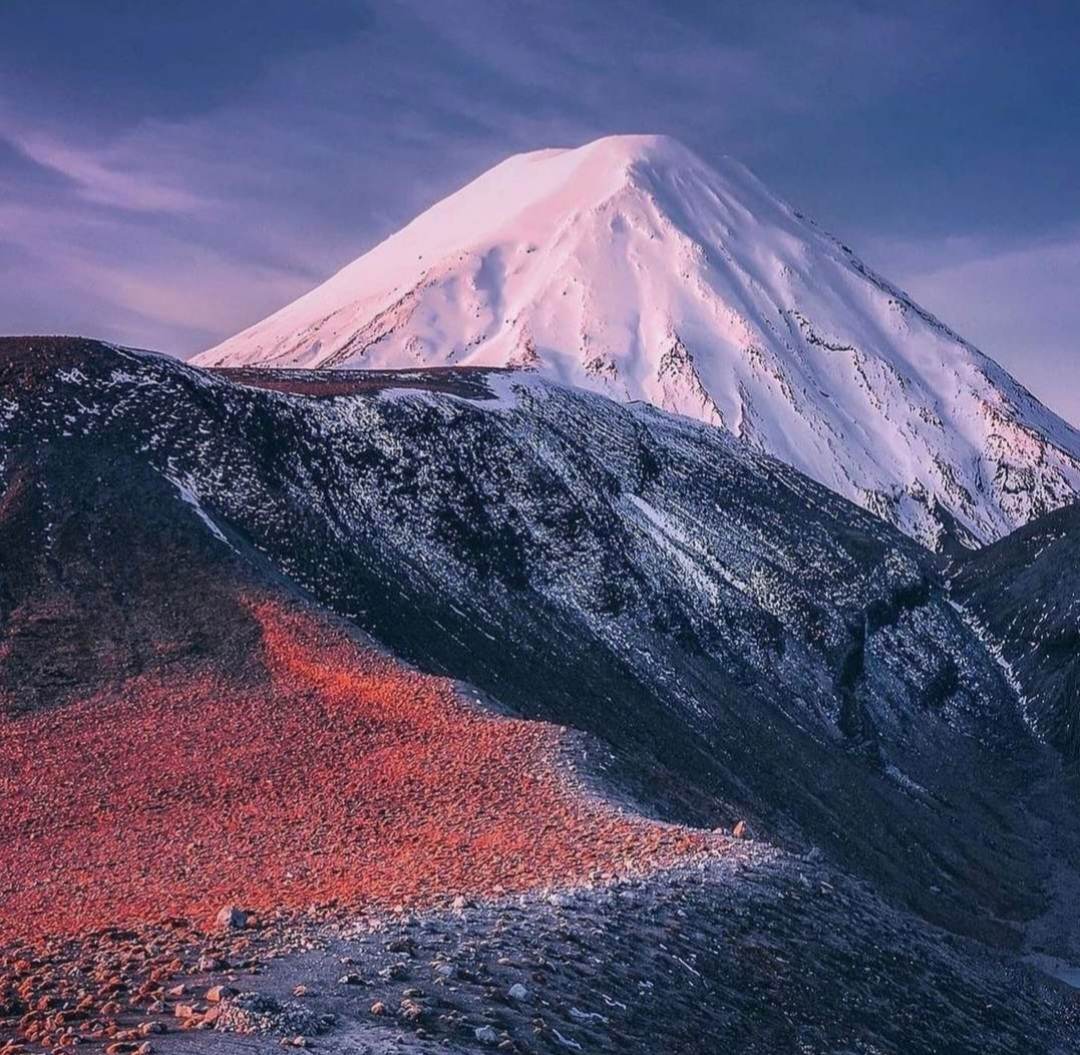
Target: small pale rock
518	992
741	830
231	918
486	1035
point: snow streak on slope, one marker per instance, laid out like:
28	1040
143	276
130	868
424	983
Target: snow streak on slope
631	267
1024	595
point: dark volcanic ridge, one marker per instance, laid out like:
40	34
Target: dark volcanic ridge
253	629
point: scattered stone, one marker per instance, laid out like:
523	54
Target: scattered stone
215	994
518	992
262	1014
486	1035
378	1008
742	831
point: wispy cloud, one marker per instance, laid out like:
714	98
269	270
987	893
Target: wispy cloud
115	177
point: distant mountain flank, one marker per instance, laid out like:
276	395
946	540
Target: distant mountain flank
631	267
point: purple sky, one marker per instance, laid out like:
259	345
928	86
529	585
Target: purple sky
171	173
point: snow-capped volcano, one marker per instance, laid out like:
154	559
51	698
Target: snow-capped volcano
631	267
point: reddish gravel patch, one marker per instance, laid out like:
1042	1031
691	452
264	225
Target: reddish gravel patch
467	381
321	772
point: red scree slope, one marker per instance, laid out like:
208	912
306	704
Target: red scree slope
323	771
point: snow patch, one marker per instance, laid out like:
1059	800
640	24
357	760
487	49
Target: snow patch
994	648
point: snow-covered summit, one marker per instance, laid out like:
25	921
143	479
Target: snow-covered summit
631	267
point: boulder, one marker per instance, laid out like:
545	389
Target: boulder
230	917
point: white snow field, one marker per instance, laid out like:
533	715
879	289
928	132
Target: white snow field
631	267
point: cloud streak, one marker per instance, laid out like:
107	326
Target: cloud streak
110	178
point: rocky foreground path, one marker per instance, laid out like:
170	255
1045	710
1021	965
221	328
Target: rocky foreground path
756	951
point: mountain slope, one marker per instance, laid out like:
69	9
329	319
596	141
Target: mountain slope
630	267
745	642
187	715
1024	593
181	729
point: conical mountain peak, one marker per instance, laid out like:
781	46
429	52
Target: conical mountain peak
631	266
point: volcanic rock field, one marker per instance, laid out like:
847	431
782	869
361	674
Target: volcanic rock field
456	710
